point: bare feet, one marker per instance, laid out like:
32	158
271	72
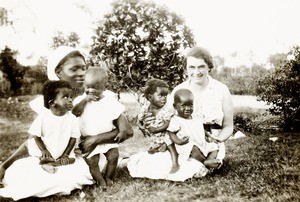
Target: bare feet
212	163
174	169
58	162
44	160
109	182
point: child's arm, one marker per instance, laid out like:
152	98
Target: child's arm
65	155
176	140
42	147
90	142
78	108
160	128
125	129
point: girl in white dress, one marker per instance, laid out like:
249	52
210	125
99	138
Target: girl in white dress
55	131
97	114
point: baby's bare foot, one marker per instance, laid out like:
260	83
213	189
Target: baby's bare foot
174	169
109	182
212	163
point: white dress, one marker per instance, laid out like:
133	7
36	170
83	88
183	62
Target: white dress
97	118
192	128
55	131
25	177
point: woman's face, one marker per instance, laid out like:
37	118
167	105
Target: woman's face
73	71
197	70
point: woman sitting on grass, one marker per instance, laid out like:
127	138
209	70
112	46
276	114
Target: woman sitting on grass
68	64
212	102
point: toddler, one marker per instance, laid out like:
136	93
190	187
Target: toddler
97	115
187	131
156	92
56	130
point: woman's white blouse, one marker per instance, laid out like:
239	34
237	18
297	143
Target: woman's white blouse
208	104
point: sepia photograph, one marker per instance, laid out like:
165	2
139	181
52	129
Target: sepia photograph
197	100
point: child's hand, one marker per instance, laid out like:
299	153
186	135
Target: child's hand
91	97
148	119
184	140
151	129
64	159
120	137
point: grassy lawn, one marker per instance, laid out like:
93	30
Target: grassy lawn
255	168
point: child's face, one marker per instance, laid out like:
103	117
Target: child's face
63	101
94	87
184	107
159	97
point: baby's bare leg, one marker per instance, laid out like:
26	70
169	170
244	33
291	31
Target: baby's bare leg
21	152
112	161
95	170
174	156
211	160
197	154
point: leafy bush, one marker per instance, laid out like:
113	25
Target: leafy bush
141	40
280	87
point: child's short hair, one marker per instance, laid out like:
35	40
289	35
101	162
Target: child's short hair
50	90
182	92
151	86
98	72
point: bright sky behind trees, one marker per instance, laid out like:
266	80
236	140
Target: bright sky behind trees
240	31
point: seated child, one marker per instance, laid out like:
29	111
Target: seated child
55	131
97	115
156	92
187	131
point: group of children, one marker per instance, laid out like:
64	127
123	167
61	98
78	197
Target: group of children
57	132
178	131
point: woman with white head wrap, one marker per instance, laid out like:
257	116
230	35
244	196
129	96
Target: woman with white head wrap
64	63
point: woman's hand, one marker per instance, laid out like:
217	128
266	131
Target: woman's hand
212	138
88	144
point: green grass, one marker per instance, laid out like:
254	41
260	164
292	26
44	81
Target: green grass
255	168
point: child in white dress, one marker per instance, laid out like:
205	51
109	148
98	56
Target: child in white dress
56	130
156	92
97	114
187	131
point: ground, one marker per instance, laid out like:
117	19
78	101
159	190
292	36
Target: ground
255	168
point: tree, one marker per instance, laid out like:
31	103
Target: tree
13	70
141	40
60	38
281	88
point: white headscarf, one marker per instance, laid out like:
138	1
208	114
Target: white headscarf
54	57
